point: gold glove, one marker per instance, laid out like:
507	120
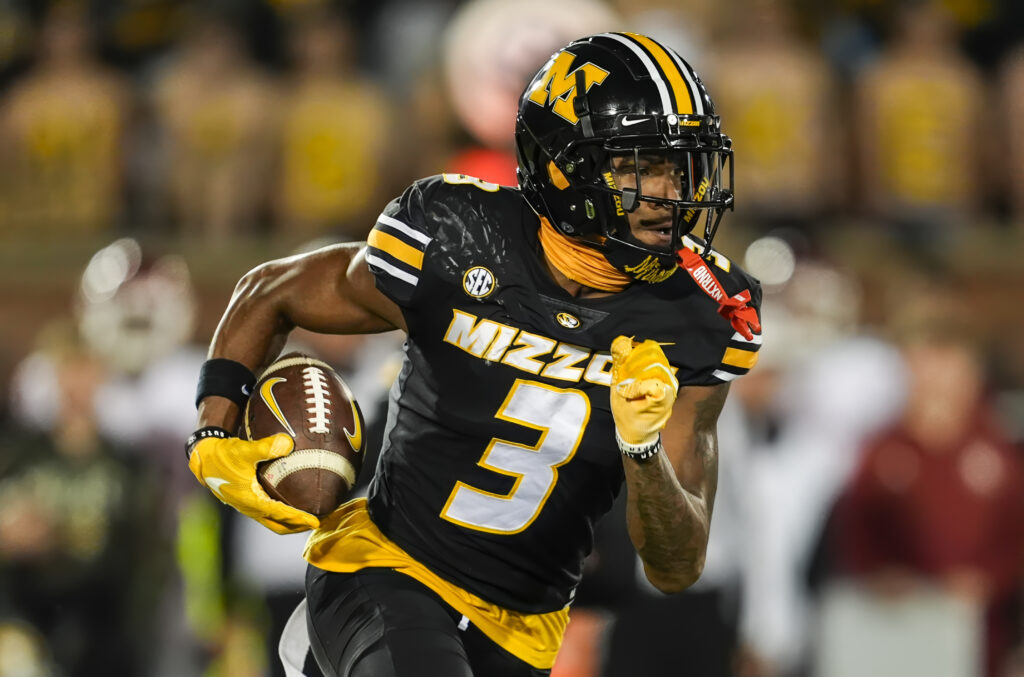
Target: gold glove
643	390
228	467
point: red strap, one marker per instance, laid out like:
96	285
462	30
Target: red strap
734	308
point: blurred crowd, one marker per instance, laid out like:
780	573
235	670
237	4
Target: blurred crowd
233	118
870	516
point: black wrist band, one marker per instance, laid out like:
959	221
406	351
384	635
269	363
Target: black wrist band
639	452
225	378
202	434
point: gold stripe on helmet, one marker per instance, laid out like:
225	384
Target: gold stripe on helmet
676	81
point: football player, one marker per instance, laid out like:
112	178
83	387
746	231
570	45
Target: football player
565	337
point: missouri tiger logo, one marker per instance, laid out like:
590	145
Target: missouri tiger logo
478	282
558	86
568	321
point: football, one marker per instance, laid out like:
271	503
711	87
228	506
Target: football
306	399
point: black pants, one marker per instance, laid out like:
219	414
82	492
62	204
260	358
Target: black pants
380	623
693	633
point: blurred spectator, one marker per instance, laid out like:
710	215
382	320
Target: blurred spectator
15	40
832	383
433	130
136	312
938	498
61	130
79	558
415	25
425	120
1012	159
337	136
23	651
491	48
217	111
138	30
778	102
921	113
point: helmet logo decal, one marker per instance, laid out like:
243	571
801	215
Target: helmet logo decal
568	320
558	85
478	282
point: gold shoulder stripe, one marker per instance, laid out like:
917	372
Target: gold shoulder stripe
684	105
744	359
392	245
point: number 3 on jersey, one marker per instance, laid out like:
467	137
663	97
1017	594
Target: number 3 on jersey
561	416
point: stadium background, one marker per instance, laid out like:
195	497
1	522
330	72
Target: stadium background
152	151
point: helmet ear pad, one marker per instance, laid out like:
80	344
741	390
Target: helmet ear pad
558	179
579	180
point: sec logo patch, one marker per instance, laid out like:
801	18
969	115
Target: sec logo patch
478	282
568	321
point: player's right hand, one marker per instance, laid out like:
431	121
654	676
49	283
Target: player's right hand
228	467
643	390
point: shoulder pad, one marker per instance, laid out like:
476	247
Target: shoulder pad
440	219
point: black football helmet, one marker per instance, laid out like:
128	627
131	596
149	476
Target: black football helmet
600	113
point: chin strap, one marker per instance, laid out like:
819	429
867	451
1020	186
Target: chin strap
734	308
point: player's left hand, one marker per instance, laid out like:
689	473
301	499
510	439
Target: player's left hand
643	390
228	467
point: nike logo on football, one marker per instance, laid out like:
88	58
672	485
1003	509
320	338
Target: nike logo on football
267	393
626	122
355	439
215	483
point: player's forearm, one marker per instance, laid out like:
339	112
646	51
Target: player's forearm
329	290
252	331
669	524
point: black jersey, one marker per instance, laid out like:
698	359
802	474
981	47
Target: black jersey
499	453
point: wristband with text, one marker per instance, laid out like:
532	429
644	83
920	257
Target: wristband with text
639	452
202	434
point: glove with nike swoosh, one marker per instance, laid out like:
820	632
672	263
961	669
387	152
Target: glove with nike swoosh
227	465
642	394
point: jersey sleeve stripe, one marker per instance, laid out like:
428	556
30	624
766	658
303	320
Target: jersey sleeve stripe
390	244
391	270
744	359
724	375
408	231
738	338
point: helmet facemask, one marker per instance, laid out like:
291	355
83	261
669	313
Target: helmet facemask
669	189
682	182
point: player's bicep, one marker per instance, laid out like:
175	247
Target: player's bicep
332	291
364	285
690	437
